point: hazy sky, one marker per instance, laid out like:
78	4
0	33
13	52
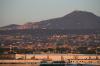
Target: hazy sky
22	11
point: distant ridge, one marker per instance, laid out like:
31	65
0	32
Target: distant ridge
10	27
74	20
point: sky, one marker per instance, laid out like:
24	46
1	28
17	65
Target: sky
23	11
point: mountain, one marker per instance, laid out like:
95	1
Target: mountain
73	20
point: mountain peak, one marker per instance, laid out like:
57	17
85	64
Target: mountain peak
74	20
80	13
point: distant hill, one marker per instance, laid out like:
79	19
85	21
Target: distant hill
29	25
73	20
10	27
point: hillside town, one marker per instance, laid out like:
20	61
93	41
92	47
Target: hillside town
73	43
